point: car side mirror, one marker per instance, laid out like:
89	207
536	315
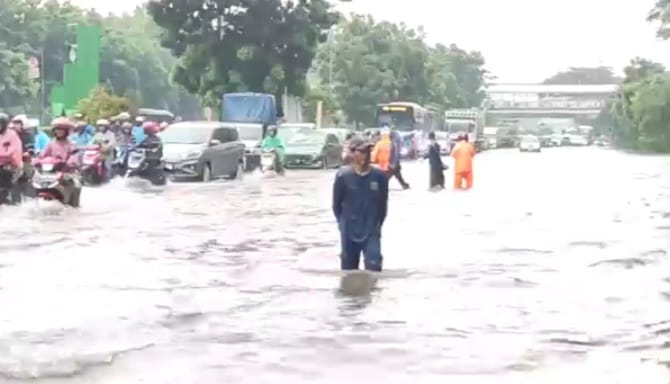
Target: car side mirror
214	142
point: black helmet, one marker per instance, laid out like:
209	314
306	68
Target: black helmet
4	122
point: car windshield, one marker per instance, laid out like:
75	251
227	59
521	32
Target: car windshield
287	133
302	138
187	134
530	139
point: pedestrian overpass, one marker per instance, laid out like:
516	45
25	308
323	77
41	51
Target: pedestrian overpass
577	101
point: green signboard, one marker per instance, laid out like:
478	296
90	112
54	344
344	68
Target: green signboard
81	75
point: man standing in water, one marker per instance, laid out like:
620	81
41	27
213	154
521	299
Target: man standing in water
463	153
360	200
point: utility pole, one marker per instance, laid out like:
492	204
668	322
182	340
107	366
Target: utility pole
331	37
43	85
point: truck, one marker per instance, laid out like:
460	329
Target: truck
466	120
251	114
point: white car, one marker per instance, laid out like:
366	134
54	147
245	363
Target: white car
530	144
578	140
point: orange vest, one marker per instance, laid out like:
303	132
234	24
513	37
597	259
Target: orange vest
381	154
463	153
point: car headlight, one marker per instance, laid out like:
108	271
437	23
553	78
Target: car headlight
191	154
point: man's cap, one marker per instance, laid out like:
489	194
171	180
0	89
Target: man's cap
359	143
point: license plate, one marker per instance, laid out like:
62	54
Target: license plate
267	161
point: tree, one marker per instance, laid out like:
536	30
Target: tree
371	63
242	45
132	61
660	14
16	89
101	104
640	69
584	75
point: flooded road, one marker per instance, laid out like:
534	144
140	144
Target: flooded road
554	268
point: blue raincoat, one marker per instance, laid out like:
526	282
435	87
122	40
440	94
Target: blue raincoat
82	139
138	134
41	141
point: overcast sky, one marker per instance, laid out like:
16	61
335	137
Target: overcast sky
522	40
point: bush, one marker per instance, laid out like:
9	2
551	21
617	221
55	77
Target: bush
101	104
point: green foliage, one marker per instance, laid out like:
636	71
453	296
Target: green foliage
101	104
371	63
660	15
639	117
585	75
329	107
640	69
16	89
133	63
242	45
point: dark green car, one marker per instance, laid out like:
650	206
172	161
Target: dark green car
315	149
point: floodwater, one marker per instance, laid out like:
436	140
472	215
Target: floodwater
555	268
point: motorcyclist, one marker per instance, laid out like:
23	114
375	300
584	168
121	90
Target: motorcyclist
105	138
125	134
272	142
11	154
60	147
124	141
41	140
150	130
80	136
20	124
138	130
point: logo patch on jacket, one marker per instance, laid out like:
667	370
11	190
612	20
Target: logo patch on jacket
374	186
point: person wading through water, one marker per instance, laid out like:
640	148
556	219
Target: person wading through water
435	161
463	153
394	166
360	201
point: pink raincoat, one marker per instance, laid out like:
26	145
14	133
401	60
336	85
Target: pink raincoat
61	150
11	149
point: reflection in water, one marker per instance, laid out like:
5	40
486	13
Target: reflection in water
540	274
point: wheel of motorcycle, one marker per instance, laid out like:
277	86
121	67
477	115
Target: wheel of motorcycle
239	172
15	195
160	179
74	198
206	173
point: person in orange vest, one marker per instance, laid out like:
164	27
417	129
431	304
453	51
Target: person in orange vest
381	154
463	153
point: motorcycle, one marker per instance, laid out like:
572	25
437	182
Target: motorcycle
119	165
54	180
140	166
269	161
93	165
10	192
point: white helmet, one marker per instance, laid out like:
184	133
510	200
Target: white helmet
23	119
123	116
104	122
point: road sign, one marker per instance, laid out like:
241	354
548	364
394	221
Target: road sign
33	68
